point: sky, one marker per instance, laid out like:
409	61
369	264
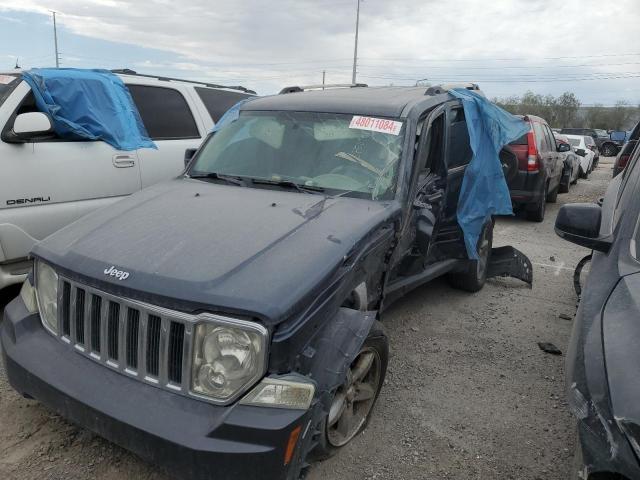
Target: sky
506	46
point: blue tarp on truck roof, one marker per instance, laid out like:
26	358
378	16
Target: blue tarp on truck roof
89	104
484	191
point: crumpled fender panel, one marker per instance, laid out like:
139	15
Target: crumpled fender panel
510	262
327	361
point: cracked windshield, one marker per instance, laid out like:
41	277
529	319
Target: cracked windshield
337	154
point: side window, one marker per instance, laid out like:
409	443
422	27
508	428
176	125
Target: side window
541	138
459	151
164	112
218	102
551	140
434	146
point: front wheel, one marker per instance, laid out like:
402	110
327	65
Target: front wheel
353	401
475	275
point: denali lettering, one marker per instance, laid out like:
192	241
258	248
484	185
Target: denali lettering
113	272
22	201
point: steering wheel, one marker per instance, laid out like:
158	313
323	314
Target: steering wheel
354	172
339	181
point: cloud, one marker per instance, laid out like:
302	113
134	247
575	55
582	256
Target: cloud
266	44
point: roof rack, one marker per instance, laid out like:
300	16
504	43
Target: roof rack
438	89
128	71
296	88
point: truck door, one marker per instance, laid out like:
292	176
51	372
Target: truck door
46	184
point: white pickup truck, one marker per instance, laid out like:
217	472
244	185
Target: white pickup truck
47	182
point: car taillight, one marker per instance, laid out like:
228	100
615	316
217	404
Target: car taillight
622	162
532	153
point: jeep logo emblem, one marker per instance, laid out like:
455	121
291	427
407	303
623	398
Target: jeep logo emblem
114	272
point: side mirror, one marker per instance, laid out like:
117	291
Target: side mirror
564	147
188	155
579	223
31	126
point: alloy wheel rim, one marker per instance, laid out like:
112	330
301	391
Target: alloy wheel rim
354	399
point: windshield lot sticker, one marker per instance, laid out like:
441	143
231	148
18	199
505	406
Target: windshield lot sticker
6	79
381	125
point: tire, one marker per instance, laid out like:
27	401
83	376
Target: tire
608	150
537	213
473	278
564	183
509	162
583	174
552	196
330	440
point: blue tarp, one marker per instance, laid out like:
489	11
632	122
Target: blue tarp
89	104
484	189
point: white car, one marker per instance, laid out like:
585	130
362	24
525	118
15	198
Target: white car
585	155
47	183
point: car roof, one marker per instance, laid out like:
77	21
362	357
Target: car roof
377	101
575	137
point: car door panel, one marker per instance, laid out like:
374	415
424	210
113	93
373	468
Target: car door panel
70	175
168	116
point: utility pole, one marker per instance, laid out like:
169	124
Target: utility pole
55	39
324	72
355	49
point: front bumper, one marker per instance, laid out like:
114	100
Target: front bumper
189	438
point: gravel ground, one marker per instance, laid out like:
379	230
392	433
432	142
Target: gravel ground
468	394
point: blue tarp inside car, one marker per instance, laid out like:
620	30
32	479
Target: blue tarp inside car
89	104
484	189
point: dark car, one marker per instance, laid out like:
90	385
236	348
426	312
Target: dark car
604	143
226	322
627	150
603	358
540	165
571	169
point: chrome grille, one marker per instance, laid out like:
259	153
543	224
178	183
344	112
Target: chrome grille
140	340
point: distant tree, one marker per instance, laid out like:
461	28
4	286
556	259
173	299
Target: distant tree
566	111
567	106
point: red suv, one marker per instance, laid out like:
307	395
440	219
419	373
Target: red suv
533	168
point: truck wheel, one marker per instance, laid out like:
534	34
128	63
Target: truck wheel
475	275
353	401
608	150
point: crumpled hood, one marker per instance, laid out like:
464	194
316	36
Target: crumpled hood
242	249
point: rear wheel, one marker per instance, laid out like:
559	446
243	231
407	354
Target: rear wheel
583	174
353	401
475	275
608	150
536	213
552	196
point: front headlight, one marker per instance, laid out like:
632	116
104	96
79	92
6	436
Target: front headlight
47	295
227	359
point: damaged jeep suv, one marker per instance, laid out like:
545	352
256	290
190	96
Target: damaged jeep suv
226	323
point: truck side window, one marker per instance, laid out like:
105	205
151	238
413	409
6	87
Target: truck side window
217	102
459	151
434	159
164	112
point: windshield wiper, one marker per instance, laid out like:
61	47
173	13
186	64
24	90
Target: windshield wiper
219	176
288	184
